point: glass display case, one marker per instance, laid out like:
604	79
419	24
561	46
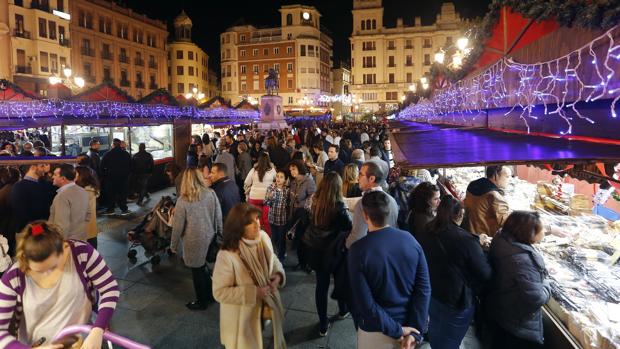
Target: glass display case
158	140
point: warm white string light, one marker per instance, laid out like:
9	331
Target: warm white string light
564	82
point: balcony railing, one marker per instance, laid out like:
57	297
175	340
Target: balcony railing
408	47
64	42
21	34
123	59
409	64
23	69
139	61
125	83
87	51
391	48
106	55
153	65
139	84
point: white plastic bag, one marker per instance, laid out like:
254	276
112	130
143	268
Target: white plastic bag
5	259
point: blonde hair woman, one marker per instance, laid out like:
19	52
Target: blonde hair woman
350	185
197	219
246	279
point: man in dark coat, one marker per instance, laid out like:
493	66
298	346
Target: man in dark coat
31	198
142	167
225	188
116	168
334	163
93	154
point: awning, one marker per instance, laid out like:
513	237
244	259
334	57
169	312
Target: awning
461	147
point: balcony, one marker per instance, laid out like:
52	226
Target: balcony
123	59
21	34
139	84
391	48
139	62
22	69
153	86
125	83
153	65
409	47
64	42
409	64
87	51
106	55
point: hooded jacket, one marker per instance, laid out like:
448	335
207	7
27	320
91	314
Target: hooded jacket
486	207
518	288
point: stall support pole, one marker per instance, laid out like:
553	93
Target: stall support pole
129	138
63	151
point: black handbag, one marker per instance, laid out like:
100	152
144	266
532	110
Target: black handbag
214	248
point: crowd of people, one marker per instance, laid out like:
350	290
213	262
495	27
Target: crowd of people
325	189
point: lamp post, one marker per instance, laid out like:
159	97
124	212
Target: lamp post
75	84
199	96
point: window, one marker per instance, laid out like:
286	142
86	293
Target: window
290	100
368	24
255	52
409	60
44	62
179	70
369	62
255	85
374	24
289	67
42	28
52	28
289	50
409	77
87	70
255	68
60	5
363	25
289	19
276	50
63	62
244	87
391	45
265	68
265	52
242	37
289	83
427	59
242	53
302	52
310	51
139	81
391	78
408	44
368	46
179	54
124	80
190	55
391	96
352	62
276	67
191	87
370	79
227	53
180	88
122	31
243	70
428	43
107	75
151	40
85	20
190	71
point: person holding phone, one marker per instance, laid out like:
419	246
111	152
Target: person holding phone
53	285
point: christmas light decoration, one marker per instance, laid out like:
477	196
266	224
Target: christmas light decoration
537	90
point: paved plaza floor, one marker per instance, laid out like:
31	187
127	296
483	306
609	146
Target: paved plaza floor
152	304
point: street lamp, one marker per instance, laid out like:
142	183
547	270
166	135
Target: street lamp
412	88
440	56
74	84
462	43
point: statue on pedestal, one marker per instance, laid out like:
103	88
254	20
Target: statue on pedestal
271	83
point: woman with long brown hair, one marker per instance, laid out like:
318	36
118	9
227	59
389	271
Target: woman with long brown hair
260	177
246	278
86	179
329	220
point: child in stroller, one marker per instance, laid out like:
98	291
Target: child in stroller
154	232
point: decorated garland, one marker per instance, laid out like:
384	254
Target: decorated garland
597	14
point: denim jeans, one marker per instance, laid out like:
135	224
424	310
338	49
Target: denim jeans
448	326
320	296
278	237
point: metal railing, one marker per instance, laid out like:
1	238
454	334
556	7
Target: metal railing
23	69
21	34
87	51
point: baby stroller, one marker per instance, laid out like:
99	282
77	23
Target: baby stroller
154	232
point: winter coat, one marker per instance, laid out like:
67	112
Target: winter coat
71	212
279	157
235	290
417	223
227	194
142	163
518	288
486	207
244	164
196	223
254	188
320	242
91	227
116	164
458	272
301	191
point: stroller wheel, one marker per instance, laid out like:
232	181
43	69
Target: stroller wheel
155	260
132	254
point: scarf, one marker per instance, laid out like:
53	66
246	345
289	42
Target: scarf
257	259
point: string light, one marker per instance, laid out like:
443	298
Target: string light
583	75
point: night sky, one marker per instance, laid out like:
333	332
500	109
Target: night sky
213	17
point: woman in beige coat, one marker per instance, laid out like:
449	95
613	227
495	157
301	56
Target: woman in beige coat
246	278
86	179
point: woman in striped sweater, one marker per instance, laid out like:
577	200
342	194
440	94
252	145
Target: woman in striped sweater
53	285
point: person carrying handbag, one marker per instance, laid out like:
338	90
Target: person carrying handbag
302	187
329	219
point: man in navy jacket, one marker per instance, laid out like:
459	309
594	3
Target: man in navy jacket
389	281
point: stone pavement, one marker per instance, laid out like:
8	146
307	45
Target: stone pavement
152	309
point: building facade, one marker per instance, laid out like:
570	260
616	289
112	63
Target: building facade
188	64
113	44
386	61
299	50
214	84
340	91
37	44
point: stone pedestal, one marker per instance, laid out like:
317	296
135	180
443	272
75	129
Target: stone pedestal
271	113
